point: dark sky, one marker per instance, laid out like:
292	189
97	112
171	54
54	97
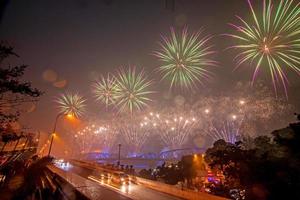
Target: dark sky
79	39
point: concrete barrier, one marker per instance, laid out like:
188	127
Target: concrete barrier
172	190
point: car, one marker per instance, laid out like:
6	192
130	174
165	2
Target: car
125	179
120	178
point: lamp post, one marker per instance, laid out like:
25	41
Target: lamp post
119	155
53	132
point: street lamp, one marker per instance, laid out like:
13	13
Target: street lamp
70	116
53	132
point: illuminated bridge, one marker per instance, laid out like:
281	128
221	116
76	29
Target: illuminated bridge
146	160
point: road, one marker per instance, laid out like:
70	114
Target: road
85	178
89	188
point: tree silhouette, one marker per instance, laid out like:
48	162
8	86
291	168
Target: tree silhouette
13	90
270	170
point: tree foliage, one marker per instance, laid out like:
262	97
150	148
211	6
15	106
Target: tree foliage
14	91
269	170
183	170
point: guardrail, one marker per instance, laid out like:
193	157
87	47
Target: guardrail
61	187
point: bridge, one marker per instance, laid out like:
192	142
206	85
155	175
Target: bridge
146	160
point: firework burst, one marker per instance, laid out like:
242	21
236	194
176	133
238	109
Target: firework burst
228	130
252	109
184	58
135	134
221	117
132	90
174	130
73	104
109	135
85	139
96	136
271	41
104	90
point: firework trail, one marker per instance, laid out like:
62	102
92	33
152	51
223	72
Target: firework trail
174	130
96	136
228	130
85	139
134	134
254	110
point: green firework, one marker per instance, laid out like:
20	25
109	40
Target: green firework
73	104
271	41
132	90
104	90
185	59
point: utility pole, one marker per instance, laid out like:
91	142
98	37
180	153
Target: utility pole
119	155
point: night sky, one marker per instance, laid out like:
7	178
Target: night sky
78	40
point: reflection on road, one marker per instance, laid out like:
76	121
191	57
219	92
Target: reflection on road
89	188
123	188
131	190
